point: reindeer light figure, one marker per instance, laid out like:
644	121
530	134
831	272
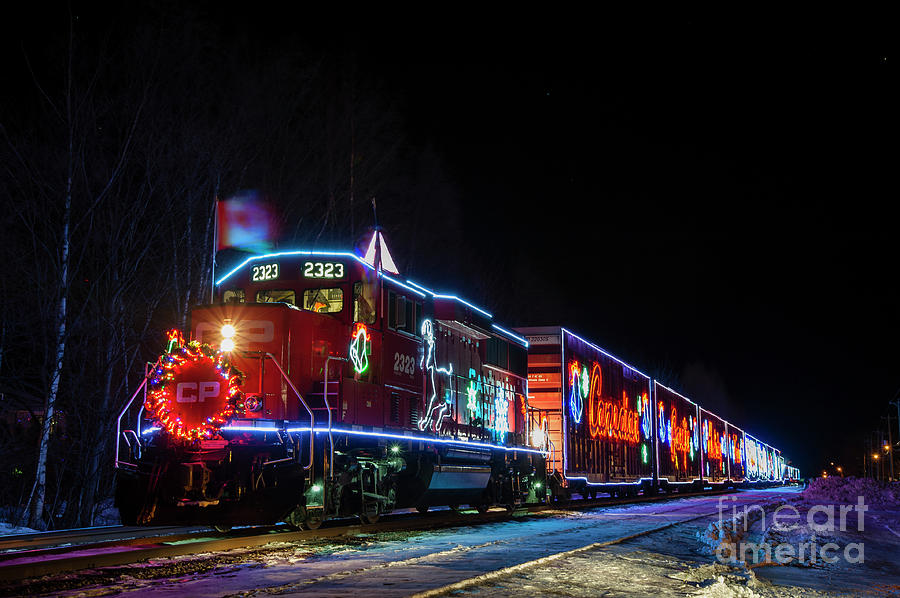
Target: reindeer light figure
435	409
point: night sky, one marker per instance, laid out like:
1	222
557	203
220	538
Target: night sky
706	196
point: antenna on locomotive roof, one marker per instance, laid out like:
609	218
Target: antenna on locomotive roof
375	212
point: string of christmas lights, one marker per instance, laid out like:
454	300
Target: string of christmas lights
163	405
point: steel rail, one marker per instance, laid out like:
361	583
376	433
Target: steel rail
33	541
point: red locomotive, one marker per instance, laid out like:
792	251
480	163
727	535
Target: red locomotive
318	386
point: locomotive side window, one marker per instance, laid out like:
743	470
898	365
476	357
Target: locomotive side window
404	314
323	301
496	351
276	296
363	303
233	296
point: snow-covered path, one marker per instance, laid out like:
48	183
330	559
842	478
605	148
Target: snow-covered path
403	564
658	549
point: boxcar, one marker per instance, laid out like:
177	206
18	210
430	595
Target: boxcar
678	430
713	439
600	417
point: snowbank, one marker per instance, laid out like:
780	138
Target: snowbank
846	490
8	529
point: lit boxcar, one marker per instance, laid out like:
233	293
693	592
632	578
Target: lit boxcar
737	465
361	393
598	409
677	422
713	435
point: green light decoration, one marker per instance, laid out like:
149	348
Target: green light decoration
472	391
358	349
644	452
472	394
585	382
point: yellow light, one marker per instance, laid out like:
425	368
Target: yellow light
875	456
227	345
228	331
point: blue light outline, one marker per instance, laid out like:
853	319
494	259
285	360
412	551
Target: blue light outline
658	383
418	286
398	283
374	435
464	302
309	252
511	335
613	357
454	297
637	483
418	438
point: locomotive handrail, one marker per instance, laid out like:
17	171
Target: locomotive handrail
312	417
125	409
328	408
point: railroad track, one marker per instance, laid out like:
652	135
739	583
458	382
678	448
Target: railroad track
88	535
25	557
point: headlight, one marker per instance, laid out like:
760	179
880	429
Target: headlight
228	331
227	345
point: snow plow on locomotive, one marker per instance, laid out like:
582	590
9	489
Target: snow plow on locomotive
320	386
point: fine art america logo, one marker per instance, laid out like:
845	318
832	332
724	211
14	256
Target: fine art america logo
787	537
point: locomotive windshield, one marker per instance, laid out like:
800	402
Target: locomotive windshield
277	296
233	296
323	301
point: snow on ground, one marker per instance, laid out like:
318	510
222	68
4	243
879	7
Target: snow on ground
8	529
395	564
681	560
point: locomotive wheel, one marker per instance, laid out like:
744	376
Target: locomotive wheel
222	528
454	507
369	518
312	522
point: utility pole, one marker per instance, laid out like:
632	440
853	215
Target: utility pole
896	402
890	445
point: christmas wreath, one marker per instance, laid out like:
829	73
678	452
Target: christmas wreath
193	390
